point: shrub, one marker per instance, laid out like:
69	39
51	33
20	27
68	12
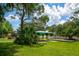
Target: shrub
27	36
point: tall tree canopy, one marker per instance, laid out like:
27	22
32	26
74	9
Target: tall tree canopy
5	29
40	23
26	10
70	28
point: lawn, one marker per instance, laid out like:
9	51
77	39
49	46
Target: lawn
8	48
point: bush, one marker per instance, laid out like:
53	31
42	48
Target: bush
27	36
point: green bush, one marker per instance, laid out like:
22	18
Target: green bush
27	36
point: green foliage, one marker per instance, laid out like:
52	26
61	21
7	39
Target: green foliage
44	19
58	29
70	28
52	28
23	10
40	23
27	36
75	19
5	28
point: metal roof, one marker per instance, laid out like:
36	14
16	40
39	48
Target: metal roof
43	32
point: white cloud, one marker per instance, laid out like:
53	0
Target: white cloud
14	22
56	13
11	15
62	22
52	13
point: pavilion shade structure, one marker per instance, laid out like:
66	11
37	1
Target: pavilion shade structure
43	33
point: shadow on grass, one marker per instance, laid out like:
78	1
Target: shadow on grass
7	49
40	44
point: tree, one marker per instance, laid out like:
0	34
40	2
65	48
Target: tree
75	19
40	23
2	12
5	29
69	29
58	29
25	11
30	37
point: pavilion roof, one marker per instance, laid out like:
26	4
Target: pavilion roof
44	32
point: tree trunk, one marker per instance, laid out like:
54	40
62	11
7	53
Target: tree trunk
22	21
70	38
1	29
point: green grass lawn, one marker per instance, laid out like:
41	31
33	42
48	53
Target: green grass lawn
7	47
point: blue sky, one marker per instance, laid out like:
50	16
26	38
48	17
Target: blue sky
56	4
58	13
